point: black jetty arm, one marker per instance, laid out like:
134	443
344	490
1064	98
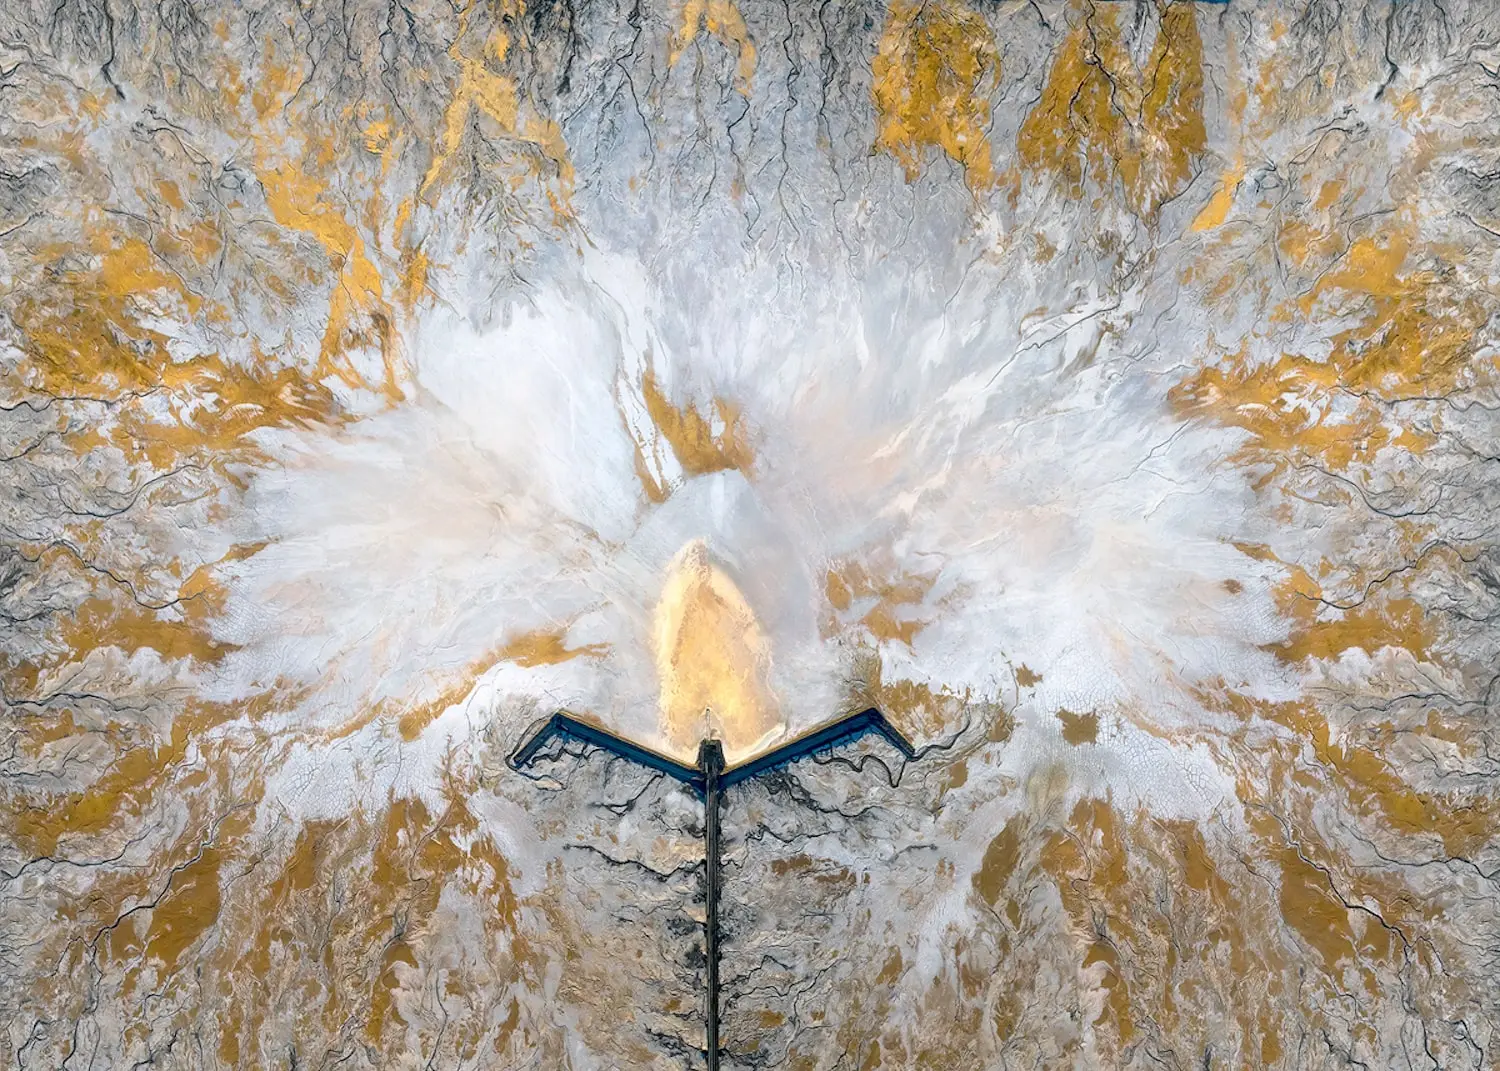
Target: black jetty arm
566	725
829	736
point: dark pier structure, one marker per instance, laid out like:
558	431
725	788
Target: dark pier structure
710	779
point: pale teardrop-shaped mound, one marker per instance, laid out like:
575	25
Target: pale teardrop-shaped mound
713	661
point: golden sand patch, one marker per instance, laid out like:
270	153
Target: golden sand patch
1216	211
932	77
355	960
919	709
125	788
358	315
893	591
1409	340
700	444
723	20
539	647
1367	781
484	90
1101	115
999	862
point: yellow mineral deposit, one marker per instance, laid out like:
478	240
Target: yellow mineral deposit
1126	400
712	660
932	77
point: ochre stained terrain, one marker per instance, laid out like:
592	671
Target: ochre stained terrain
1107	392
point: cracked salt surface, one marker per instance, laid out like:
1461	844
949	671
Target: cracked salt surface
1107	394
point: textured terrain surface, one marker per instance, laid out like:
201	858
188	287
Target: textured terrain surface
1109	392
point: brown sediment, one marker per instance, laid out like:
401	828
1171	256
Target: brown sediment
1311	909
1382	617
351	966
1026	677
484	90
539	647
125	788
358	314
1149	967
999	862
547	647
1079	728
916	708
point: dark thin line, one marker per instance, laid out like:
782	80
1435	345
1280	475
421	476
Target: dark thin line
711	767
